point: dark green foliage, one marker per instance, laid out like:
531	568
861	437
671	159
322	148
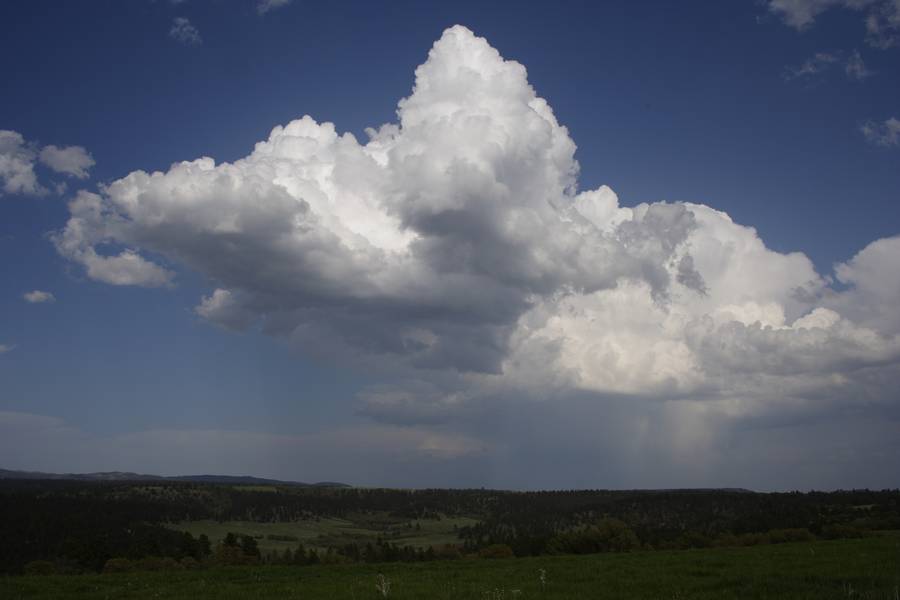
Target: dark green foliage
608	535
40	567
249	546
496	551
79	526
866	569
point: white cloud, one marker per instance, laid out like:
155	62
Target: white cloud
17	165
820	62
454	252
881	17
852	65
264	6
38	297
72	160
6	348
800	14
183	31
18	158
855	68
886	133
89	227
883	25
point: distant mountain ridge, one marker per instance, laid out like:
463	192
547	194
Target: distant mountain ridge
128	476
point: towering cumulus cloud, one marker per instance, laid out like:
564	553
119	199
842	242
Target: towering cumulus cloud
454	251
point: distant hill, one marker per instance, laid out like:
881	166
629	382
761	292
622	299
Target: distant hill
127	476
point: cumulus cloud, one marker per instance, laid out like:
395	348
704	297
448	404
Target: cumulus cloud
265	6
38	297
4	348
18	158
881	17
886	133
453	251
72	160
425	244
183	31
88	228
17	165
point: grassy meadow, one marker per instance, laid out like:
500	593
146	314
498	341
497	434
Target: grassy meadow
322	532
866	568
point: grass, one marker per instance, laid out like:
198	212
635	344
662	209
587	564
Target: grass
866	569
324	532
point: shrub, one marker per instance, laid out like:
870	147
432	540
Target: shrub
608	535
447	552
496	551
118	565
838	531
781	536
40	567
155	563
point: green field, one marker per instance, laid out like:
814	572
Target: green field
324	532
851	569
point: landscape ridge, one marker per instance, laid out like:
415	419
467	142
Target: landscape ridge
130	476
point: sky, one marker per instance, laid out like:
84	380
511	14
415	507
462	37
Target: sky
514	245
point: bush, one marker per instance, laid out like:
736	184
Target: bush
155	563
496	551
782	536
838	531
282	538
608	535
40	567
447	552
118	565
190	563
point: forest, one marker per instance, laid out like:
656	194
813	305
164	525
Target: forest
82	527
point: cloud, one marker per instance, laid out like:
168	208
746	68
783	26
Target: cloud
4	348
883	25
881	17
886	133
38	297
17	165
424	245
89	227
852	65
800	14
265	6
855	68
183	31
72	160
453	254
18	158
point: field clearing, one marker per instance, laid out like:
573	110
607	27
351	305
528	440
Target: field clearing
864	569
324	532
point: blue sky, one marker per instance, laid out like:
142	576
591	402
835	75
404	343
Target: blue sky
778	116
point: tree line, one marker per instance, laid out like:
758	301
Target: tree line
84	525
